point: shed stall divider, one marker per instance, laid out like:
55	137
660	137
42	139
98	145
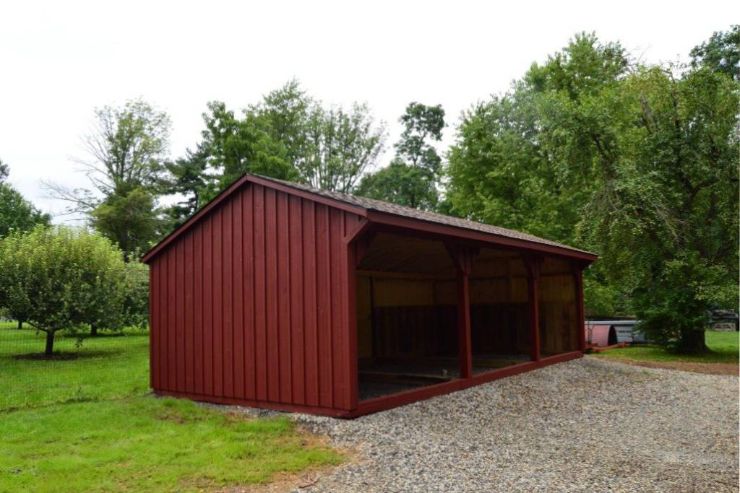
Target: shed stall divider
281	296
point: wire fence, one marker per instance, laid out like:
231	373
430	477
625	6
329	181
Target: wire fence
81	368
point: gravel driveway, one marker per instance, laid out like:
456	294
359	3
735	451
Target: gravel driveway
586	425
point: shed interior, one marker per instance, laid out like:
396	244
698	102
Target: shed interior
557	306
407	302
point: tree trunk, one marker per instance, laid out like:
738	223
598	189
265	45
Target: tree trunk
692	342
93	330
20	324
49	343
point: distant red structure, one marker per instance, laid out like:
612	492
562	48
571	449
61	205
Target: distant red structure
280	296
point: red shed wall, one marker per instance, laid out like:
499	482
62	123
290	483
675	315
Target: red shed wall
250	304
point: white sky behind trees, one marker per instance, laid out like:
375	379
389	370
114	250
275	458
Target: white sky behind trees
60	60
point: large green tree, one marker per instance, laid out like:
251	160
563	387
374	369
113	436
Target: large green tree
287	135
636	162
190	181
128	150
413	175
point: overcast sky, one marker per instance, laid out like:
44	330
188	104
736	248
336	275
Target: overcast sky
60	60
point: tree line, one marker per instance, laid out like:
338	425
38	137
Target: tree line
637	162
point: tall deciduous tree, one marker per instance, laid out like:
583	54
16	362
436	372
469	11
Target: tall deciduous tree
128	148
412	177
638	163
288	135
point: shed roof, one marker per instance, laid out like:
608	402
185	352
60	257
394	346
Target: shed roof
362	206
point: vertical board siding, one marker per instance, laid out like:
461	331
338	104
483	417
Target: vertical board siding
218	305
198	323
271	282
189	316
207	301
227	299
252	304
260	294
171	347
310	310
297	341
154	325
283	291
249	295
237	282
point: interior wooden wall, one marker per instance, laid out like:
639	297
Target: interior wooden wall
407	290
558	325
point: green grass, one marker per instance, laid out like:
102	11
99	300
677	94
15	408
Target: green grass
89	424
106	367
723	348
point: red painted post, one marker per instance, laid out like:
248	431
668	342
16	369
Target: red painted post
463	257
580	312
533	289
463	323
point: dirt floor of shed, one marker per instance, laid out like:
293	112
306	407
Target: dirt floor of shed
585	425
390	377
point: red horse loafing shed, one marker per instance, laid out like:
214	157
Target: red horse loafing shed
281	296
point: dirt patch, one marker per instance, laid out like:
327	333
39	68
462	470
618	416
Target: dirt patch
710	368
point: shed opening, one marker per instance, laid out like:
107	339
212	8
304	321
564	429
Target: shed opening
406	315
500	328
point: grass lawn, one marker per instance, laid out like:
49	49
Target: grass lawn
724	347
88	424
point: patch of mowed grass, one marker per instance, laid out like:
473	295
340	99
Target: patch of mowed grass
104	367
146	444
88	424
723	348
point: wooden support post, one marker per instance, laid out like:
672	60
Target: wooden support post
580	312
463	257
463	324
533	290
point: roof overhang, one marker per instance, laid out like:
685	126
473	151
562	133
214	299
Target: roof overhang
378	218
442	230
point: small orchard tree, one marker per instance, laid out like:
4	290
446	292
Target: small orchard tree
102	288
66	277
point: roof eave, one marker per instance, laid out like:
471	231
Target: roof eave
384	218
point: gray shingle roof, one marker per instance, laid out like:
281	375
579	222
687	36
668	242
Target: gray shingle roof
432	217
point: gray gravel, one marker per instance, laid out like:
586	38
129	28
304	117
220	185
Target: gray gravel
586	425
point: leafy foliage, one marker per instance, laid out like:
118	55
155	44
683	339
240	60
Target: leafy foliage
721	53
4	171
635	162
288	135
188	179
412	177
16	213
128	148
130	219
61	278
136	295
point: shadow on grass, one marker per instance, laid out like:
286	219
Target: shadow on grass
66	355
